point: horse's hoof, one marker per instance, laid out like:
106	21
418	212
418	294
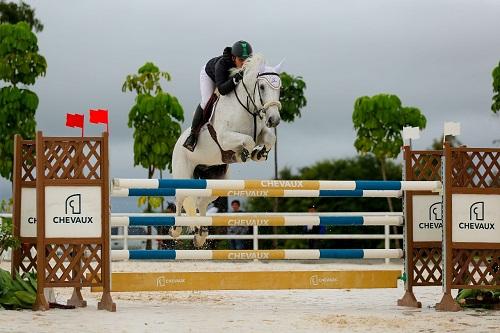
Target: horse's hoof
200	236
259	153
175	232
244	155
199	240
255	153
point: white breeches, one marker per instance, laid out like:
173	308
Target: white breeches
207	87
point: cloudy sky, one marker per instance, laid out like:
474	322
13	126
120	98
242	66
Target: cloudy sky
435	55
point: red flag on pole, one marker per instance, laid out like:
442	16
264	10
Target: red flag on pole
75	120
99	116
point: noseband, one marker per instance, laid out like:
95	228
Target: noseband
258	112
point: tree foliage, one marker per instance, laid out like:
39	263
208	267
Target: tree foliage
379	121
13	13
361	167
291	96
495	107
19	58
155	117
437	143
20	63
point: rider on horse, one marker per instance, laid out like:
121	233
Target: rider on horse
215	74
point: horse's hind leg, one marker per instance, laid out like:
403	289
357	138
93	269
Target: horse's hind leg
182	168
201	233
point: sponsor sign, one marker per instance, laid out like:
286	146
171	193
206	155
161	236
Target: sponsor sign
260	221
427	218
317	280
28	212
283	184
162	281
72	211
475	218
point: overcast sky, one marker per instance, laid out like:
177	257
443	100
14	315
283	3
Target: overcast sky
435	55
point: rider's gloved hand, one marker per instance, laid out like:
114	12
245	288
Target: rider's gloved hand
238	77
227	53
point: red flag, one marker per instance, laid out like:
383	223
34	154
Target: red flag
75	120
99	116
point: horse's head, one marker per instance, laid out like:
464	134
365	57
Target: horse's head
263	85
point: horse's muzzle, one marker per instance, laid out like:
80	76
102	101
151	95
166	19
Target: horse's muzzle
273	122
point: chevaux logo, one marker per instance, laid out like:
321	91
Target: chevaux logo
435	217
316	280
435	212
75	203
477	211
476	218
73	211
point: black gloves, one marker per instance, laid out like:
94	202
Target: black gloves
238	77
227	53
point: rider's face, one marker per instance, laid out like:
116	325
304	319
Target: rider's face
238	61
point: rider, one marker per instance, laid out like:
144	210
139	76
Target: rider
215	74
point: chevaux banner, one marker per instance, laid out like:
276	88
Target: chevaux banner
72	211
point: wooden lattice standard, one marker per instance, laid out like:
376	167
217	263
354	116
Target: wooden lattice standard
67	261
423	263
24	176
471	265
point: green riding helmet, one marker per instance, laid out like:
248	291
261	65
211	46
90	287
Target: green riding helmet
241	49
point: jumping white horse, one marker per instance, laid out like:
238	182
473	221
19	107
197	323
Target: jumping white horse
240	128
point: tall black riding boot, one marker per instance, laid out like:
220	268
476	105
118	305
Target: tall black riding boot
192	139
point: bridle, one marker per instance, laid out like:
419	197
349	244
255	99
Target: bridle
257	111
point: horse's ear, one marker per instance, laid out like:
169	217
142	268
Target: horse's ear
277	68
262	67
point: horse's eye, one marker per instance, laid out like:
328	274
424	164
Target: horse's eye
262	87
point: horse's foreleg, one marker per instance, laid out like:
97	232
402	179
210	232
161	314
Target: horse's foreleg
265	142
201	233
241	144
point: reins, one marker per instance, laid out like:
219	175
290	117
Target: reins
258	112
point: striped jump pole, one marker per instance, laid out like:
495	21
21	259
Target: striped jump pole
257	220
226	184
118	255
172	192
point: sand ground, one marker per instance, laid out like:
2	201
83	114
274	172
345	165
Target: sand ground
372	310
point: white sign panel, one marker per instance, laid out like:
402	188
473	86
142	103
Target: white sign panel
476	218
411	133
28	212
72	211
427	218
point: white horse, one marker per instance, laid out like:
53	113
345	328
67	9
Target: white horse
240	128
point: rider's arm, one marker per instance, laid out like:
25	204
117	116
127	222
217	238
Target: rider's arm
224	83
